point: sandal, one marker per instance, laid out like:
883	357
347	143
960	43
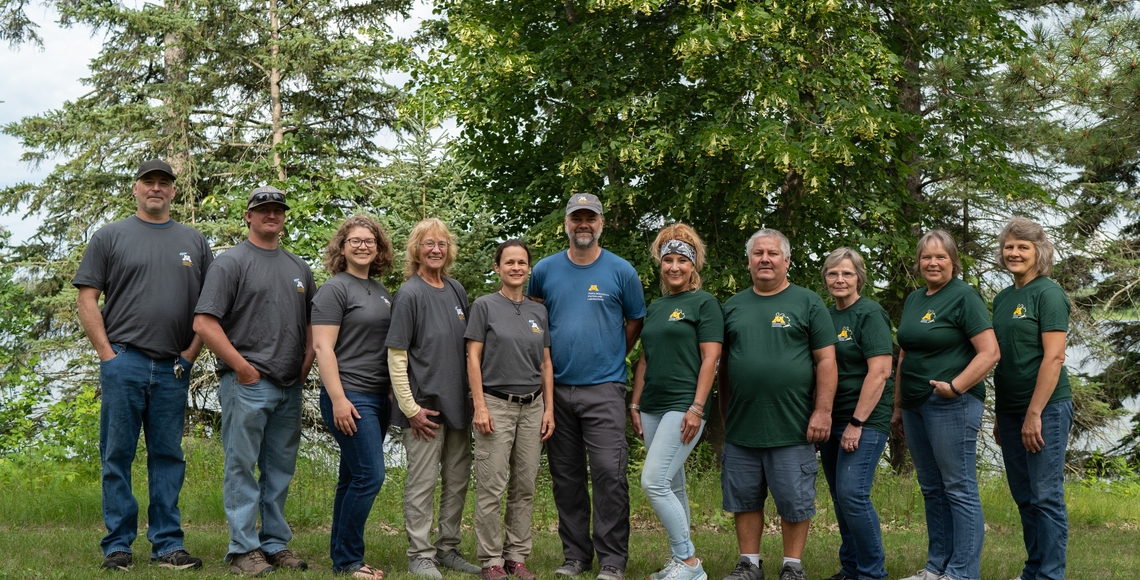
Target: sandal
366	572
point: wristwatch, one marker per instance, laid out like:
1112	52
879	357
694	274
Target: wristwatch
855	422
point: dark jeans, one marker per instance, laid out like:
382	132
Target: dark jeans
142	394
1037	482
849	477
590	423
361	474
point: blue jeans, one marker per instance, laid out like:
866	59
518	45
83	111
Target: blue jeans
142	394
849	477
361	474
1037	482
261	427
663	476
942	435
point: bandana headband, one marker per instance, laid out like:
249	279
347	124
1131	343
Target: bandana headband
679	247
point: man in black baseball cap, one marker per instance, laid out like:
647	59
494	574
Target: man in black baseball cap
152	166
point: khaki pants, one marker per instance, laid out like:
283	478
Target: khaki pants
446	458
507	460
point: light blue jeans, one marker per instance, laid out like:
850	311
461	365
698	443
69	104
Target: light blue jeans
261	427
663	476
1037	482
942	435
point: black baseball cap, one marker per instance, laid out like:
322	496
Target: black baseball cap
154	165
263	195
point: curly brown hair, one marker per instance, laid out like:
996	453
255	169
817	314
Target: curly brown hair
335	262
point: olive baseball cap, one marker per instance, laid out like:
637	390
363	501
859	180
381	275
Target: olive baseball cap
263	195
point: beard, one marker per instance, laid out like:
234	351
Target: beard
583	243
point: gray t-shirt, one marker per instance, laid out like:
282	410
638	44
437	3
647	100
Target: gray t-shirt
150	275
262	299
429	322
363	311
513	343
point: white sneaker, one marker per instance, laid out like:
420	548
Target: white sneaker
925	574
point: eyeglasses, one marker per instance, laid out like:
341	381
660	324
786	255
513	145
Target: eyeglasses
273	196
431	245
366	242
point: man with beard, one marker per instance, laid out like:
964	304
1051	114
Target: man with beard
596	304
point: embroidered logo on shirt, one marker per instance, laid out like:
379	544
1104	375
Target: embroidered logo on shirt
300	285
928	317
593	294
593	288
677	315
534	327
459	311
1019	312
780	320
845	334
186	261
385	299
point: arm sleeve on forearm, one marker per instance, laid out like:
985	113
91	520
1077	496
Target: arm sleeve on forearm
401	387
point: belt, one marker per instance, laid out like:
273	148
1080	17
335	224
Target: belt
520	399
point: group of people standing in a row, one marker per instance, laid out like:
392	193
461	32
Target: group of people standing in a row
543	360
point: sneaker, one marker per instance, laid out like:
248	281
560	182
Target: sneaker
924	574
683	571
840	576
664	572
518	570
118	561
178	560
611	573
251	564
424	567
452	559
792	571
493	573
286	559
571	568
745	570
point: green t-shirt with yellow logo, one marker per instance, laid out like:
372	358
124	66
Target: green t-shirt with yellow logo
675	325
769	342
864	331
1020	316
935	332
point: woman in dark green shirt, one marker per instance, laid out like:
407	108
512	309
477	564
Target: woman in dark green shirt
946	348
861	415
680	345
1033	403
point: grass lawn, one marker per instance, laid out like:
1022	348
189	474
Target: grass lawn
50	525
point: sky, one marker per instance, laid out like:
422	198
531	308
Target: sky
35	80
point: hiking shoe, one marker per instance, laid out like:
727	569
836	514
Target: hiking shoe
663	572
792	571
571	568
452	559
611	573
178	560
286	559
683	571
840	576
518	570
118	561
745	570
493	573
424	568
251	564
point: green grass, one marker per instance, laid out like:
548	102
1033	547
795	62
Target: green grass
50	524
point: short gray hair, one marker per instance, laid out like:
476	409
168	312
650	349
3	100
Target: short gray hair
1020	228
943	237
785	246
838	255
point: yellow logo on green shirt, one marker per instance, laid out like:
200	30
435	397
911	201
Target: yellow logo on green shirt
928	317
677	315
1019	312
845	334
780	320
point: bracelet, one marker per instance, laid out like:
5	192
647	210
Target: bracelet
951	383
855	422
700	405
634	407
699	413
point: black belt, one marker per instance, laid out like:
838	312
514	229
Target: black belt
520	399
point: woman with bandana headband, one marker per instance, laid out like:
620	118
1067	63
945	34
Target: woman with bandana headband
681	343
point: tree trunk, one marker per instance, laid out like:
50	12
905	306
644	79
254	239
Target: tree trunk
176	123
275	88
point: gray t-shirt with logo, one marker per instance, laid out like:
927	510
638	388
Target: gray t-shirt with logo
363	311
150	275
262	299
513	342
429	322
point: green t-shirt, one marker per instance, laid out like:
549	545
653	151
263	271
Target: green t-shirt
1020	316
864	331
935	332
769	340
675	325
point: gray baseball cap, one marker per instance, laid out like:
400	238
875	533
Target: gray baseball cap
583	201
263	195
154	165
